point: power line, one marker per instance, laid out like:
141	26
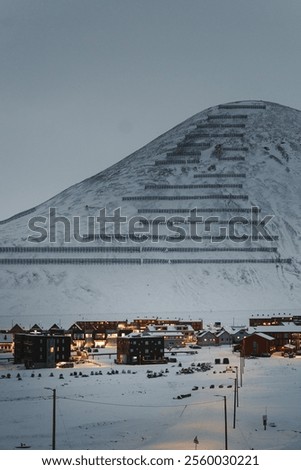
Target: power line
137	406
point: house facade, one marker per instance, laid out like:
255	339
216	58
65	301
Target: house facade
175	335
206	338
258	344
283	334
41	350
274	319
140	349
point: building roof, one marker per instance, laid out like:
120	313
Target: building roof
6	338
223	331
165	333
264	336
142	335
283	328
205	333
16	329
172	328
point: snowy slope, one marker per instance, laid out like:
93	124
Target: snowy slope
172	174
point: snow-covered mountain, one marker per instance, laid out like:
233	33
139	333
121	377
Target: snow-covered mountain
223	162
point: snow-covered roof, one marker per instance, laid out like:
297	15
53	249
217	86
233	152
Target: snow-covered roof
6	338
205	333
283	328
222	332
265	336
171	334
144	335
172	327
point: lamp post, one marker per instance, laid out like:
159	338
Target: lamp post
225	419
53	415
241	365
235	398
234	408
236	370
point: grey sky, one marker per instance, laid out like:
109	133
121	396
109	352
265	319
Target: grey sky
84	83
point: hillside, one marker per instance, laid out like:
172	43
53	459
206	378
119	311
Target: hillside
222	162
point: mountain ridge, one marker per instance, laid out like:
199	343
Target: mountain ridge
223	161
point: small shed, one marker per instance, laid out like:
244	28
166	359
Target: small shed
258	344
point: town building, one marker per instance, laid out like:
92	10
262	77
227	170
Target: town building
6	342
283	334
41	350
90	334
16	329
274	319
142	323
207	338
175	336
225	336
140	349
258	344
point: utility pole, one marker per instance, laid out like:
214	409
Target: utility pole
226	426
242	365
235	403
225	419
54	419
53	416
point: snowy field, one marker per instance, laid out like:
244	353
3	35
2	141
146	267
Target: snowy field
127	410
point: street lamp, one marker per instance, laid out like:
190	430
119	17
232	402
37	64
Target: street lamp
225	419
241	366
53	415
236	370
234	409
235	401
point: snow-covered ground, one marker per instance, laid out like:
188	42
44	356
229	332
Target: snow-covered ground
130	411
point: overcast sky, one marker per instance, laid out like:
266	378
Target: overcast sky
84	83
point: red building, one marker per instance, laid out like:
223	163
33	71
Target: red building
258	344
